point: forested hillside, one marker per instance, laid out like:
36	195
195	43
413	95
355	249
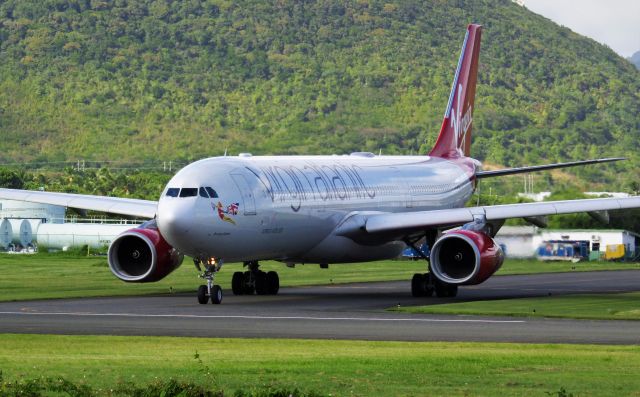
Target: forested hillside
180	80
635	59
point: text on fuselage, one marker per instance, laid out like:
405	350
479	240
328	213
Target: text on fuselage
313	182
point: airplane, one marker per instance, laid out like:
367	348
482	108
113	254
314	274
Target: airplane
329	210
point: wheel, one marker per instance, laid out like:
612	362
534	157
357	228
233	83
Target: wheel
261	283
237	282
418	285
247	286
202	295
441	289
216	295
273	283
428	284
444	290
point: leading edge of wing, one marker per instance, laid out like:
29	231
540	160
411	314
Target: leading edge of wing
112	205
408	221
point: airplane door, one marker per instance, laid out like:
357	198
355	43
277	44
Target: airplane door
404	187
249	203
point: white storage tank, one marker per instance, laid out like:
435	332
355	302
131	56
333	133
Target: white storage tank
6	233
66	235
27	231
16	238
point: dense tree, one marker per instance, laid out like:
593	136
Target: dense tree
155	79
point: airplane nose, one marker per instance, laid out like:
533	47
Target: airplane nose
173	222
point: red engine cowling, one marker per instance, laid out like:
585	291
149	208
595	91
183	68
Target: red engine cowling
142	255
465	257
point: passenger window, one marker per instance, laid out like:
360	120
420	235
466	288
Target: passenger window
172	192
212	193
189	192
203	192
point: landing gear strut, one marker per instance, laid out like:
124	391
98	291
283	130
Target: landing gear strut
255	280
211	267
425	284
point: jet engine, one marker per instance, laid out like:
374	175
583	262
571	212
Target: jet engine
142	255
465	257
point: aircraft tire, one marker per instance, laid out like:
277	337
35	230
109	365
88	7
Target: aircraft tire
273	283
262	287
247	287
216	295
444	290
428	285
237	283
418	285
202	295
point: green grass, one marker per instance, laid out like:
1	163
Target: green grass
533	266
598	306
44	276
337	368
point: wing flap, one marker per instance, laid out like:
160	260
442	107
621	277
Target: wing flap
112	205
418	219
408	221
516	210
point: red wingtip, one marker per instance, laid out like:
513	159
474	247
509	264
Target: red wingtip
454	139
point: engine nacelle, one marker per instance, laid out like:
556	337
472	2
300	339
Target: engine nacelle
465	257
142	255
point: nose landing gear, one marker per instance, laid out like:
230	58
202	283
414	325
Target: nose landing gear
211	267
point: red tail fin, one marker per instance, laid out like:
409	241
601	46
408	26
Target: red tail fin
455	135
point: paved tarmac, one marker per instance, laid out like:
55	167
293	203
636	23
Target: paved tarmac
353	311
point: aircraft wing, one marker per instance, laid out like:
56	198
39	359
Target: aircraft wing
411	221
112	205
520	170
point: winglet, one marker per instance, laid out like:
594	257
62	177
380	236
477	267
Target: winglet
455	134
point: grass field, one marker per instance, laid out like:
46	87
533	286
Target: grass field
599	306
44	276
331	368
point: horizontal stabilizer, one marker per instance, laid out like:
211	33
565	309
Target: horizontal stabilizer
520	170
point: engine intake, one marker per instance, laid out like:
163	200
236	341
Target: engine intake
142	255
465	257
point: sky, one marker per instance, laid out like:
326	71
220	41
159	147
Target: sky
615	23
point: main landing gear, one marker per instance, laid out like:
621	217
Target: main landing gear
255	280
425	284
209	291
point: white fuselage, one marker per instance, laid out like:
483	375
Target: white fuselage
294	208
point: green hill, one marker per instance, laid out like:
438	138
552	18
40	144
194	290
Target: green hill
149	80
635	59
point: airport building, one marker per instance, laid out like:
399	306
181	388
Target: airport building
14	209
524	241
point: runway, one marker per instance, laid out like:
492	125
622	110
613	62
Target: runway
353	311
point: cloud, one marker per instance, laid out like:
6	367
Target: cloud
615	23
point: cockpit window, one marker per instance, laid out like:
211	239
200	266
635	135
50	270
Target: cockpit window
203	192
172	192
212	193
189	192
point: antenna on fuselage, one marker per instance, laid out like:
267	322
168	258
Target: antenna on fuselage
225	152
